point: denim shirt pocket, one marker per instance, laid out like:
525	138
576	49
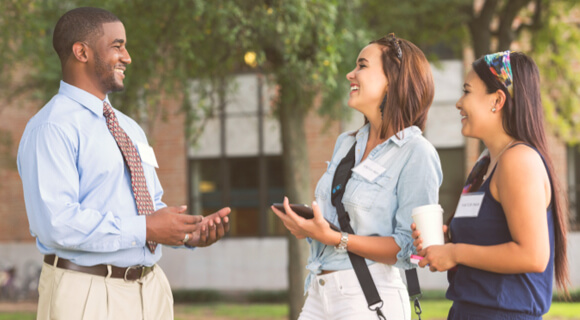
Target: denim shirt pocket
363	193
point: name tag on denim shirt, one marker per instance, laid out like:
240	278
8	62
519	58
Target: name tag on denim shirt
369	170
469	204
147	154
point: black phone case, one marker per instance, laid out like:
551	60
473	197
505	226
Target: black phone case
301	209
304	211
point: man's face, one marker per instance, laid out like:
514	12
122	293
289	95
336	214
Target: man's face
110	58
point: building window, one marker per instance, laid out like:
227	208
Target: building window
237	161
249	185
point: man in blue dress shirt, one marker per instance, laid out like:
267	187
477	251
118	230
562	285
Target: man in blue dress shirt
77	187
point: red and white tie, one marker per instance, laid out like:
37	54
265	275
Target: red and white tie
133	161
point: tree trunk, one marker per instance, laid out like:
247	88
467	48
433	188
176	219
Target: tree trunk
506	33
293	104
479	28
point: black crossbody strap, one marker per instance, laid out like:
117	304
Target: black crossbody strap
374	301
341	176
414	289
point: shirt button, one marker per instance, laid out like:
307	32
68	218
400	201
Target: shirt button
321	281
133	243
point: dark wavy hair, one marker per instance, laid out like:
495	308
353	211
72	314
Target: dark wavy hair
411	88
523	119
78	25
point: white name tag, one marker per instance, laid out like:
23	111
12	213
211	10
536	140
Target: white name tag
147	154
369	170
469	204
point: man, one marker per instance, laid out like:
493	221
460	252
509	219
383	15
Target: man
92	195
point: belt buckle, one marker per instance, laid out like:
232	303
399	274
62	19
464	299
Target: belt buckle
134	267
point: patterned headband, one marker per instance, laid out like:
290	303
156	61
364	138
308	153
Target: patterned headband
394	42
500	67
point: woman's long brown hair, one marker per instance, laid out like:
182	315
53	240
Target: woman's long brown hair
523	119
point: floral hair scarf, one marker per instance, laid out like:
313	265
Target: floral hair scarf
500	67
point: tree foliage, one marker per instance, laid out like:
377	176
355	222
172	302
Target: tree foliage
557	53
172	42
428	24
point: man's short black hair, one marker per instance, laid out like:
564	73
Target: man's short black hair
80	24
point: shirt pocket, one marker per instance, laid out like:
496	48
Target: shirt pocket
362	194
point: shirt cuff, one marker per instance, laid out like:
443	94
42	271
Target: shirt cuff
133	232
404	255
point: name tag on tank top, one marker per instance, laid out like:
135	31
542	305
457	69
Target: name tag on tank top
469	205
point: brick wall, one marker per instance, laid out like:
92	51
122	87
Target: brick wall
13	220
168	142
320	137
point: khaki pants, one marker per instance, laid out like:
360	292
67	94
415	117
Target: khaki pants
65	294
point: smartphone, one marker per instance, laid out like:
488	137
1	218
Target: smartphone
304	211
301	209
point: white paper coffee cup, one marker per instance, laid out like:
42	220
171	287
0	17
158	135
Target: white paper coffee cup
429	221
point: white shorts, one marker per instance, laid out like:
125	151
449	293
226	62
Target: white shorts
339	296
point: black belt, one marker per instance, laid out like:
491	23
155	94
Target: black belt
129	273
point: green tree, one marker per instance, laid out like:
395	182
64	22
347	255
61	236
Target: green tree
301	44
558	55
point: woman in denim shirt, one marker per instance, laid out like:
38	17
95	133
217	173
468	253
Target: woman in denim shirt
396	169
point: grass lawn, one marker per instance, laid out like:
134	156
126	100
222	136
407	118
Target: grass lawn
432	310
437	309
17	316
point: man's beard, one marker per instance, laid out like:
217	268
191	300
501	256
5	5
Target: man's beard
106	75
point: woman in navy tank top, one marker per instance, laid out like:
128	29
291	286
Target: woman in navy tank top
507	236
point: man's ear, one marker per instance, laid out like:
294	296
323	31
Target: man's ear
80	51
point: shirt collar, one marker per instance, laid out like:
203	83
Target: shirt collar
84	98
405	135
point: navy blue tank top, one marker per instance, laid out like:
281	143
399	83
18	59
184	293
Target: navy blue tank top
527	293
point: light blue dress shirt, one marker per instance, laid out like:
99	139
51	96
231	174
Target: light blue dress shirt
381	207
77	189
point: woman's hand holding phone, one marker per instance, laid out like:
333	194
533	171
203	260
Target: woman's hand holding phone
304	211
317	227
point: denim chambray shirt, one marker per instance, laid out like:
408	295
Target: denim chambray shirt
382	207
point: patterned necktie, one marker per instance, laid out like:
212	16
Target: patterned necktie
133	161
